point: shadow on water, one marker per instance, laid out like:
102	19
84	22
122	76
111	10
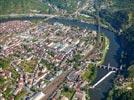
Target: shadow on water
101	91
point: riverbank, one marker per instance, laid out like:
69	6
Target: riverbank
105	50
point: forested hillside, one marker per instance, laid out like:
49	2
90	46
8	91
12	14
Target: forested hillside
120	15
22	6
68	5
124	4
39	6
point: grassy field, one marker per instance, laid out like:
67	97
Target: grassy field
69	93
89	74
105	50
28	66
4	63
21	95
22	6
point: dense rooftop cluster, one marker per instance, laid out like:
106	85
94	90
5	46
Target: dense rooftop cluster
42	56
14	26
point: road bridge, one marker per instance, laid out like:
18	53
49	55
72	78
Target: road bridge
112	70
102	79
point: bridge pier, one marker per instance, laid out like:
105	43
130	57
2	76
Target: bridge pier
109	67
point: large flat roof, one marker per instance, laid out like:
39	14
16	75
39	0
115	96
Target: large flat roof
38	96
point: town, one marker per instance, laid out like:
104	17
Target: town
45	60
66	50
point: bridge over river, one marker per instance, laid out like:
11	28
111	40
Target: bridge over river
103	78
111	69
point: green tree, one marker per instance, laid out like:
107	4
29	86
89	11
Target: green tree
131	71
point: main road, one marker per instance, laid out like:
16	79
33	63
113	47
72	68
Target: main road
29	15
25	16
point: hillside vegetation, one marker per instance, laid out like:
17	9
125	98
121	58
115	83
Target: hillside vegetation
120	15
68	5
22	6
39	6
124	4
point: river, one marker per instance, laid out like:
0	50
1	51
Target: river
112	57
